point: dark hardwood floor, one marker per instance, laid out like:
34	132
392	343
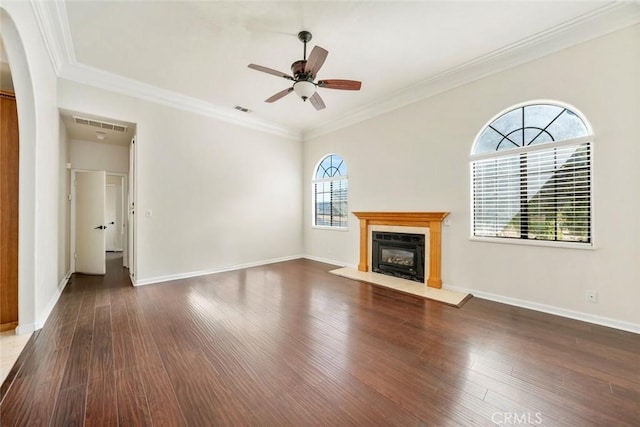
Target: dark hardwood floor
289	344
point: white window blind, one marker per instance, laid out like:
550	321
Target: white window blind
542	194
331	203
531	176
330	192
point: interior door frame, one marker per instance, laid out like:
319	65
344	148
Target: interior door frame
72	217
132	201
106	217
125	216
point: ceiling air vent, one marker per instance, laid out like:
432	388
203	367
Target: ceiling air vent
243	109
99	124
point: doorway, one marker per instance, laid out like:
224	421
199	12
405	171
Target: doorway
99	144
99	221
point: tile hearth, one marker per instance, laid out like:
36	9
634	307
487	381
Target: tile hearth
445	296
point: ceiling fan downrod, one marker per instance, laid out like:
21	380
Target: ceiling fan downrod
304	37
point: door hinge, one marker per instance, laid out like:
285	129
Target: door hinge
69	197
75	256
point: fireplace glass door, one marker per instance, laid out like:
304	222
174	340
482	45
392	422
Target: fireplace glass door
400	257
398	254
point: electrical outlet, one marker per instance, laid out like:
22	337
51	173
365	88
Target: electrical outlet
592	296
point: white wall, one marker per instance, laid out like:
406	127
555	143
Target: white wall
92	155
219	195
417	159
35	87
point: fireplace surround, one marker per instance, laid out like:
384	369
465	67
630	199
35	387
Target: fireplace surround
430	220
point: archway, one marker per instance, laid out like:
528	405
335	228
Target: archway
27	188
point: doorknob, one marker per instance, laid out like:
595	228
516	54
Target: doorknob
101	227
111	223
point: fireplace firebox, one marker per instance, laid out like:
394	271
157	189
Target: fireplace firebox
398	254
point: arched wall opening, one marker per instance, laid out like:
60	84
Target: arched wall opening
25	101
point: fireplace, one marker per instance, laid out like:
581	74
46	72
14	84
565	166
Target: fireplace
398	254
431	220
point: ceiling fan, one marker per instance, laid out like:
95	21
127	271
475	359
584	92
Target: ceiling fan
304	73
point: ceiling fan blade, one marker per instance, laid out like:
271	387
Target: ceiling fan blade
279	95
317	101
340	84
315	60
270	71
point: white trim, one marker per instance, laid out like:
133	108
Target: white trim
611	17
327	227
332	178
544	146
562	312
328	261
27	329
53	22
532	242
54	27
124	188
44	315
95	77
170	277
65	280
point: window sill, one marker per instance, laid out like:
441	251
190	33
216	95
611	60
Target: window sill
544	243
325	227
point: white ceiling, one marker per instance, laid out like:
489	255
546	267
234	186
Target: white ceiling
199	51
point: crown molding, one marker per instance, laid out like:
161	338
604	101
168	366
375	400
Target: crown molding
101	79
54	27
607	19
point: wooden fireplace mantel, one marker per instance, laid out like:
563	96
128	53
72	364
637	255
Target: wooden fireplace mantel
431	220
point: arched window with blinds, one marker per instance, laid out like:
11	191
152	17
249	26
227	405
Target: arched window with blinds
531	174
330	193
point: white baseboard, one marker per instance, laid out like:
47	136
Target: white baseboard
327	261
42	317
64	281
160	279
576	315
27	329
585	317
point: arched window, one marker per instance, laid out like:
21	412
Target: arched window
330	193
531	176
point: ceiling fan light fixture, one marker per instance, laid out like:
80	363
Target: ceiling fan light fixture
304	89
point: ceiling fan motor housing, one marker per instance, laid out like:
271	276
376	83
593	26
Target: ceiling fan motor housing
297	69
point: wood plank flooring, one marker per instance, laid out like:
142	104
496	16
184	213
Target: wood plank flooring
290	344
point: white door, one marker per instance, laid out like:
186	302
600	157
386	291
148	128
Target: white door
112	232
90	223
